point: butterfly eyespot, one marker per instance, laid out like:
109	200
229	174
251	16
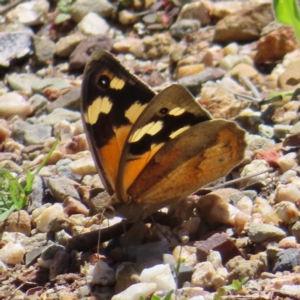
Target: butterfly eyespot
163	111
103	81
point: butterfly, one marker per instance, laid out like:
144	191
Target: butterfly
151	150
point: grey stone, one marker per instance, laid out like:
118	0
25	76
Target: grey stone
183	27
13	45
38	102
62	168
44	50
287	260
55	84
184	274
31	134
61	114
256	142
259	233
194	82
69	100
62	187
22	82
66	45
82	7
32	255
37	195
296	230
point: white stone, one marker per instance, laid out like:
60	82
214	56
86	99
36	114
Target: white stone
12	253
289	192
14	236
215	258
291	289
256	166
14	104
29	13
83	166
93	24
232	48
136	291
245	205
47	215
161	275
286	176
203	274
3	268
287	162
287	212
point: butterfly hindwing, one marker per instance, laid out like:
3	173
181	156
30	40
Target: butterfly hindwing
202	154
112	100
170	113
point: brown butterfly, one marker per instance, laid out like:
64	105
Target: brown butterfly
151	149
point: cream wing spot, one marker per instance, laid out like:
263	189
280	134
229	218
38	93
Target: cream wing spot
177	132
117	83
177	111
151	128
100	105
134	111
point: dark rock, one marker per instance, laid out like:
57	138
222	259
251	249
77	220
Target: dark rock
83	51
287	260
217	242
60	264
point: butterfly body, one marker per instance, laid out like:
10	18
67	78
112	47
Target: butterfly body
151	149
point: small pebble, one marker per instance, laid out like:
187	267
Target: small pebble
136	291
161	275
12	253
289	192
47	215
287	162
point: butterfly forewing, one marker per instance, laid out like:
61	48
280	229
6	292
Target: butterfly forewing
112	100
204	153
172	112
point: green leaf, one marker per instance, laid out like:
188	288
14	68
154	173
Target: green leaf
244	280
5	214
169	295
155	298
220	293
287	12
62	17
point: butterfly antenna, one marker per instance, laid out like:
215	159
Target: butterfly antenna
242	178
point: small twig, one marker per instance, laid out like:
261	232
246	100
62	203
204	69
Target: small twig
251	87
8	7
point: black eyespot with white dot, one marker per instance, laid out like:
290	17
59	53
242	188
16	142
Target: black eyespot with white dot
164	111
103	81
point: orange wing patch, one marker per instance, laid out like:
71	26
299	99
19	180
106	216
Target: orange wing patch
203	154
